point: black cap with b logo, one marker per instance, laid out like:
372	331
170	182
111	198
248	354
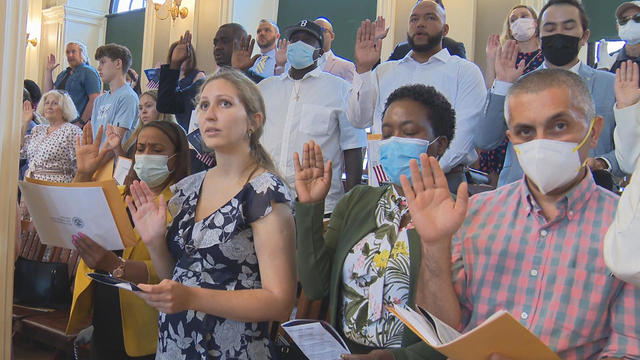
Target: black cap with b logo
308	26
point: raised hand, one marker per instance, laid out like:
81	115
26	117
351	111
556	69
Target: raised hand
168	296
435	215
313	176
182	51
380	31
88	152
149	216
506	68
241	58
493	44
113	140
94	255
626	86
281	52
368	48
27	112
51	63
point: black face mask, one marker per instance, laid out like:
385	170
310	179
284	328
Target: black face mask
560	49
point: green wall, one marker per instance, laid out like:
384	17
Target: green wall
345	15
602	14
128	29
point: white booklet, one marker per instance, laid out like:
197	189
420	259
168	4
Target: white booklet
316	339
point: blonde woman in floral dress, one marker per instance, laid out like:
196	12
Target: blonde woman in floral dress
369	256
227	259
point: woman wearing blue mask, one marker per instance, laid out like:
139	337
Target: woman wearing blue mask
369	256
125	327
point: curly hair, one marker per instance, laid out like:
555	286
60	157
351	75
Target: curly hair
69	111
441	115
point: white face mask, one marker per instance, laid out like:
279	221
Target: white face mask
152	169
523	29
630	32
550	164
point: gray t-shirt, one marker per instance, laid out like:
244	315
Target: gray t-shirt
119	108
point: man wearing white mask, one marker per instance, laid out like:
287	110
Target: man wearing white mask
306	104
628	24
532	247
564	29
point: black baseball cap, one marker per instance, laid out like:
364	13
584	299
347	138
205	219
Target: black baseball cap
308	26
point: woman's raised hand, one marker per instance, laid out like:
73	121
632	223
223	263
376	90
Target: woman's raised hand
149	216
435	215
313	176
88	152
626	86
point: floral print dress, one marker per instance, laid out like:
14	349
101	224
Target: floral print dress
217	252
376	274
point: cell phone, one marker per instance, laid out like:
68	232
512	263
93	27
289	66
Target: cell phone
113	281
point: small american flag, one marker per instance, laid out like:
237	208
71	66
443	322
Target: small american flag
381	176
207	158
153	75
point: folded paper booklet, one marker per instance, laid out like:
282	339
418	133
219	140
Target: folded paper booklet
312	340
60	210
113	281
501	333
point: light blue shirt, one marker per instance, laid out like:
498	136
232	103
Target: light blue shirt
269	64
119	108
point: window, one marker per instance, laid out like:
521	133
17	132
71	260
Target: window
120	6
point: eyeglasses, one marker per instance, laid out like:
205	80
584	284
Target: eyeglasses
62	92
625	20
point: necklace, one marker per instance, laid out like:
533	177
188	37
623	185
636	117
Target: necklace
296	89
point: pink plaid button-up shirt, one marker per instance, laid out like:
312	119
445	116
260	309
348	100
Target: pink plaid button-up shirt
549	275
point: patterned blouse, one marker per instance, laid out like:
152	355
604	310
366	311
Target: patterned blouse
51	157
376	273
217	252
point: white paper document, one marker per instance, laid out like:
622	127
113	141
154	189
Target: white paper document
315	341
122	169
60	212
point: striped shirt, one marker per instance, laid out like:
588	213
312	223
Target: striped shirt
549	274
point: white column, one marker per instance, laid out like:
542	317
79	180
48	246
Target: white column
33	69
64	23
387	9
12	60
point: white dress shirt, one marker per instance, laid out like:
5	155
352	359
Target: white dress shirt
313	108
459	80
626	135
622	242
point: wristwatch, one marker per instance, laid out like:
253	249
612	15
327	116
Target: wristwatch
118	272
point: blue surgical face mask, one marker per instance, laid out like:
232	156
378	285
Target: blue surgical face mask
396	152
300	54
152	169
